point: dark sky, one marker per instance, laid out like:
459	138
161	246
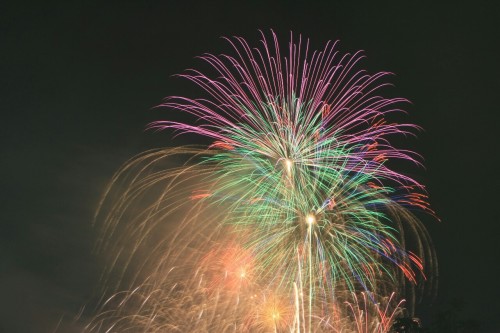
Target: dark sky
78	83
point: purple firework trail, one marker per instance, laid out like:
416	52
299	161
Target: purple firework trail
289	213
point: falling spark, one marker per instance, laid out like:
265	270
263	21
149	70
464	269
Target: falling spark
213	238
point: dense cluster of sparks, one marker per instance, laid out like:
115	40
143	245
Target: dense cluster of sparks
290	220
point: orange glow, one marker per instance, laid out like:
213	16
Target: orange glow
221	145
228	268
200	195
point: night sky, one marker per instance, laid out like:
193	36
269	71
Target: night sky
78	87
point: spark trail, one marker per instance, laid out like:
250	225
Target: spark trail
290	220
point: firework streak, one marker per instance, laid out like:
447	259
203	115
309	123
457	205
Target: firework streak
290	220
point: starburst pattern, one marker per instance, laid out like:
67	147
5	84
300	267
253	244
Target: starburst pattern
288	215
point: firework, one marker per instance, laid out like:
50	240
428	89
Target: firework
285	219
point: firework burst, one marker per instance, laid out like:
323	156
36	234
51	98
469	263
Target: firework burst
285	219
